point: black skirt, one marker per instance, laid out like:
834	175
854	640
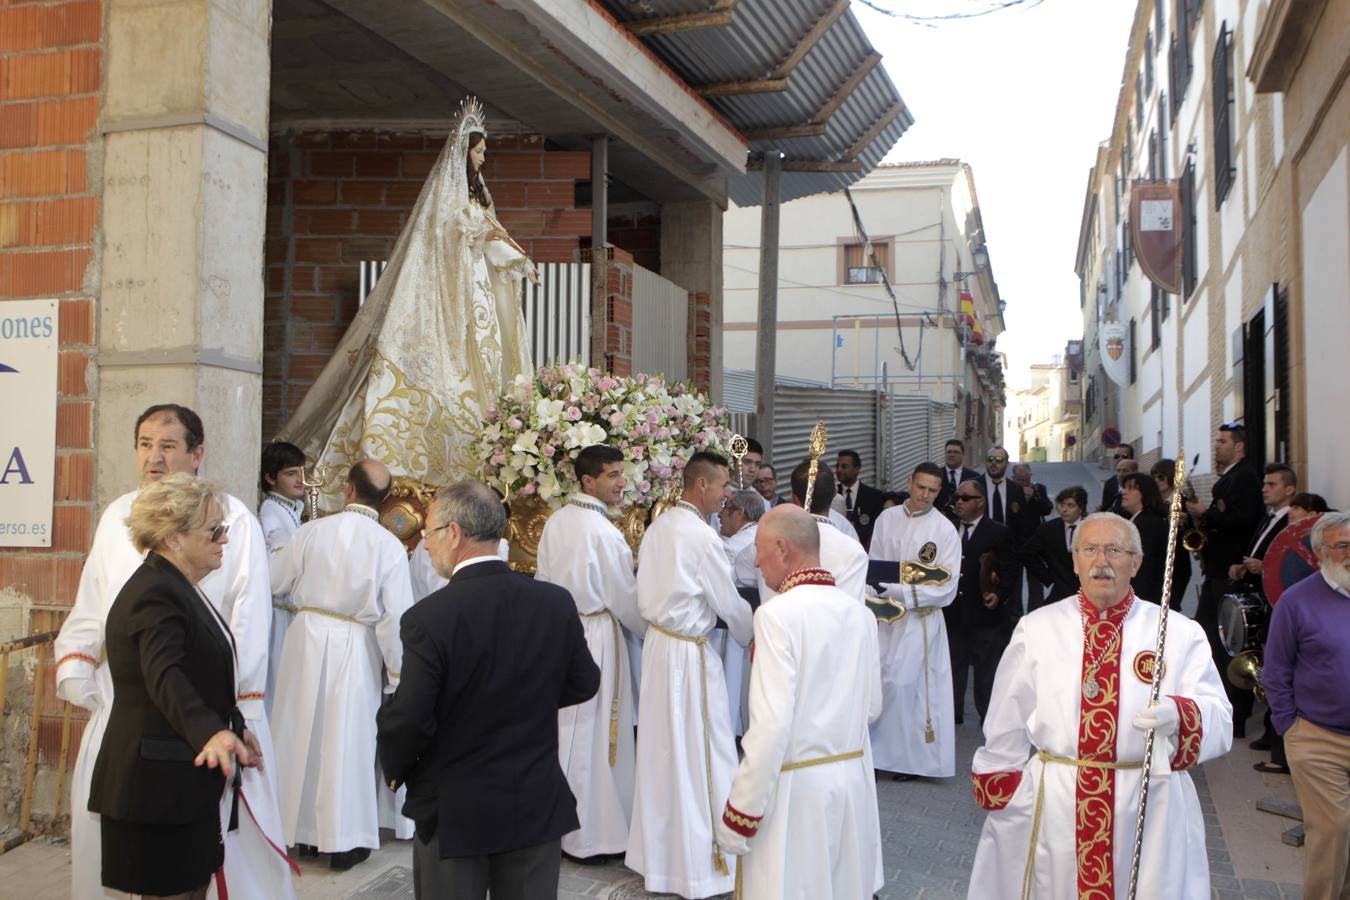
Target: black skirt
160	860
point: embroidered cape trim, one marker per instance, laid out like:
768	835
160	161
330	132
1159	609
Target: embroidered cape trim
806	576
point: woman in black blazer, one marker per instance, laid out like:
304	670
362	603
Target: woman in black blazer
1142	504
173	733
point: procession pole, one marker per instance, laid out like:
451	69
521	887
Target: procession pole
312	486
1174	519
739	447
816	448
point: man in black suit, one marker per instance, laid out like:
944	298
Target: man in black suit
1028	505
1227	523
1111	490
488	660
766	483
862	502
980	620
1047	554
954	471
1277	490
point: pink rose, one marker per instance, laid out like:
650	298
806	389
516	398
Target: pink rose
573	414
547	450
499	459
526	489
515	423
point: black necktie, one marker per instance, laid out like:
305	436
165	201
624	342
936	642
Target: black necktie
1069	537
848	499
951	478
965	536
998	504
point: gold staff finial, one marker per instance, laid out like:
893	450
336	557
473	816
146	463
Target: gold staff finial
816	447
312	486
739	447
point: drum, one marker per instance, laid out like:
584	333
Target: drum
1242	622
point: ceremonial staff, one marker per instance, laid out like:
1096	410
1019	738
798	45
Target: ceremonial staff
312	486
739	447
1174	519
816	448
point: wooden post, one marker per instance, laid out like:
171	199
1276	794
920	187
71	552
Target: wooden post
766	343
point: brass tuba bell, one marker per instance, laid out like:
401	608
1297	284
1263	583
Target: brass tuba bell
1193	540
1244	671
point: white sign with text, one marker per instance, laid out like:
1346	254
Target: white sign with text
28	363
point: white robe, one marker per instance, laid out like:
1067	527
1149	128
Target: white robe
843	524
1036	705
740	548
279	518
582	551
814	686
426	580
238	590
915	695
329	685
684	585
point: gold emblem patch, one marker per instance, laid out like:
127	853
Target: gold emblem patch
1143	666
928	553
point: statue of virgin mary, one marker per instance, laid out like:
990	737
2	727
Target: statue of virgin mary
434	343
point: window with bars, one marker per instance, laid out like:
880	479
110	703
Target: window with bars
1221	80
1186	15
1158	18
1188	242
1148	62
1153	156
1134	353
1129	147
1162	135
859	267
1139	102
1155	303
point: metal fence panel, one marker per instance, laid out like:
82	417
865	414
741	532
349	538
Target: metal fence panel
941	428
660	326
909	435
558	313
850	421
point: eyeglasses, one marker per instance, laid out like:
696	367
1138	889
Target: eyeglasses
1110	551
217	532
428	532
1123	456
1339	546
969	498
996	459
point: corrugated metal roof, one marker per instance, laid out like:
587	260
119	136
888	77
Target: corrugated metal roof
761	35
738	388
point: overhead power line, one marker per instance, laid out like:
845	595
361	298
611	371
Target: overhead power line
893	9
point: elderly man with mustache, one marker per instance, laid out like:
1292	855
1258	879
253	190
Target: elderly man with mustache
1060	768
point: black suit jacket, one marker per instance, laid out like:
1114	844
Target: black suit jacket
867	505
944	497
1110	496
1251	582
1026	515
1047	558
172	670
1148	581
488	660
1233	515
967	610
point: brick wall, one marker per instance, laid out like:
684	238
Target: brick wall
700	359
50	151
50	156
337	198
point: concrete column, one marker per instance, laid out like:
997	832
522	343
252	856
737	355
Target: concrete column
185	115
766	339
691	256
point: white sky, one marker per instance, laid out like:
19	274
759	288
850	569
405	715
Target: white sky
1025	96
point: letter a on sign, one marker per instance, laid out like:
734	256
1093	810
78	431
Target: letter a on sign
15	466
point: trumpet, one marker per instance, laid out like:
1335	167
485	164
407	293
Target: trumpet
1194	539
1244	671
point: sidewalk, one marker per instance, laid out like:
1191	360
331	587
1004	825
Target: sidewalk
929	831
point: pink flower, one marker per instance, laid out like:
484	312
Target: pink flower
653	417
547	450
526	489
662	434
573	414
644	486
499	459
515	423
616	419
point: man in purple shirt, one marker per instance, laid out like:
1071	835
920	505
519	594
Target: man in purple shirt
1306	668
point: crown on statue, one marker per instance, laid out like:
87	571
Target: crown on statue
471	119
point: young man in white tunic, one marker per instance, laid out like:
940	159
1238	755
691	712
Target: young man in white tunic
739	521
685	751
802	814
1064	740
283	505
916	732
170	438
583	551
348	578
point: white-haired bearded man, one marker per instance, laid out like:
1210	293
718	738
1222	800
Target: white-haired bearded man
1059	771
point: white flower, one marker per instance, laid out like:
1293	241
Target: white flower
548	485
583	434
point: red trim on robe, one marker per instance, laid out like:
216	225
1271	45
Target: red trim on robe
1190	732
1098	727
69	656
993	790
739	822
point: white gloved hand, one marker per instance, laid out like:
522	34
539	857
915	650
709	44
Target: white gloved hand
731	842
80	691
892	591
1163	719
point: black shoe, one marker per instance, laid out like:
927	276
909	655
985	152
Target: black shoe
341	862
306	850
1271	768
1261	743
903	776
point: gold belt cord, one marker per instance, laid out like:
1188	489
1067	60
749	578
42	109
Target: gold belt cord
1046	756
618	685
341	617
719	863
928	735
821	761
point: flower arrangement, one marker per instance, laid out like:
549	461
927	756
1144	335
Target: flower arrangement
533	432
